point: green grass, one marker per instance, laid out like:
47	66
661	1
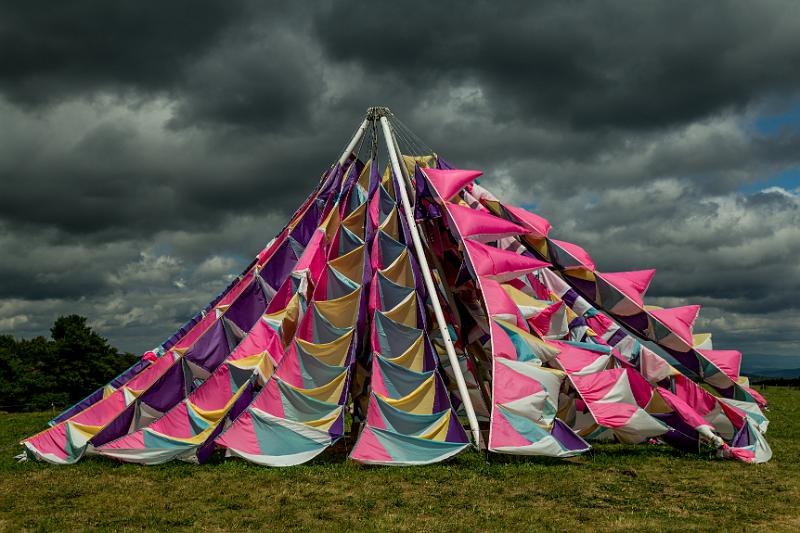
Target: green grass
612	488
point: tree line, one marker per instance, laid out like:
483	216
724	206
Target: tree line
38	373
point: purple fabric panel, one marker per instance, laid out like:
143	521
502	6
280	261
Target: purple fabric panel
117	428
443	165
637	323
278	267
617	337
455	431
563	434
682	436
687	359
352	175
205	450
304	229
211	349
248	307
584	288
337	428
441	399
742	438
426	206
374	179
330	180
168	390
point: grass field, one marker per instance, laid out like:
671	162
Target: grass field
615	487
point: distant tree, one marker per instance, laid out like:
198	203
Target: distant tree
35	373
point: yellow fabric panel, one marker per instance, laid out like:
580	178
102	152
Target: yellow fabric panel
331	225
250	361
356	221
400	270
419	401
439	431
387	182
331	353
350	264
108	390
363	178
85	430
522	299
341	312
414	357
581	273
325	423
571	315
389	225
405	312
424	161
652	307
291	319
540	245
330	392
699	339
538	345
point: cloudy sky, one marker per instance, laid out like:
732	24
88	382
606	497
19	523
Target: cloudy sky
149	150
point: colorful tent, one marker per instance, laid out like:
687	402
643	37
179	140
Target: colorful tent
408	315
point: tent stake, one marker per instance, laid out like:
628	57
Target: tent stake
426	274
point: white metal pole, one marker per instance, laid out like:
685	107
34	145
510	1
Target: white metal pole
354	142
426	274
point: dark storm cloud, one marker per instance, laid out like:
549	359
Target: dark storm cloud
147	152
588	64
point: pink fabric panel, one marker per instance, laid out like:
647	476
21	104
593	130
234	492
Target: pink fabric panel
577	252
368	448
134	441
541	322
103	411
642	390
502	346
241	436
485	226
503	433
599	323
52	441
679	320
498	302
494	262
448	182
538	226
313	256
632	284
728	361
575	359
175	423
215	392
510	385
289	369
683	409
260	339
595	386
378	385
695	396
374	418
270	400
612	414
149	375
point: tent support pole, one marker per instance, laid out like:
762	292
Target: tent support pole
356	138
429	285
